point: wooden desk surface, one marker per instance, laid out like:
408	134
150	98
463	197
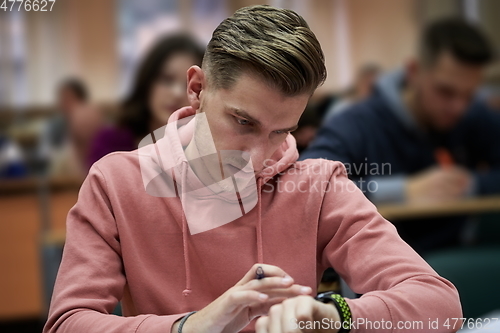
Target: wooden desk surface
21	293
468	206
32	184
390	212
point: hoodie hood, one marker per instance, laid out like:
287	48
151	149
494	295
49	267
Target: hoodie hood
206	204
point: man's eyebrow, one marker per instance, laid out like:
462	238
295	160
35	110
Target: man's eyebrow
244	114
290	129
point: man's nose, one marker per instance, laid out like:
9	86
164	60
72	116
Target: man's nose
258	152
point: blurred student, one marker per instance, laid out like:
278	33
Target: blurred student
307	127
67	137
361	89
12	162
159	88
422	136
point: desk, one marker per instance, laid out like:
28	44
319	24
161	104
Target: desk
32	185
389	211
485	204
20	228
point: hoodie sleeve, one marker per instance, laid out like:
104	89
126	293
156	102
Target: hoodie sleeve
91	278
366	251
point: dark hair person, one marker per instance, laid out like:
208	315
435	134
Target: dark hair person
159	88
425	122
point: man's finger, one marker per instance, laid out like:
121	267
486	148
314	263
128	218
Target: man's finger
269	271
289	321
275	313
239	298
262	324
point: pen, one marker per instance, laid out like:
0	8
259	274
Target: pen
259	273
444	158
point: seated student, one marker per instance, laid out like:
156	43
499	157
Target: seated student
422	137
157	91
196	220
66	137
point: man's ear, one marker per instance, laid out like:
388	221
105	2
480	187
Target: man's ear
195	84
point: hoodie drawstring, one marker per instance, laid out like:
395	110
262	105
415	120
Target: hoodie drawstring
185	247
260	255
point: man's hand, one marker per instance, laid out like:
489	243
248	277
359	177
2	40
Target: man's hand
249	298
438	184
300	314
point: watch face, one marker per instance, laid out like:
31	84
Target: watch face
325	297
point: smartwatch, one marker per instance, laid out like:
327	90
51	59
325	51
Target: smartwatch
342	307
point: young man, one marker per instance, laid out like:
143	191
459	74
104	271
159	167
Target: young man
145	231
422	136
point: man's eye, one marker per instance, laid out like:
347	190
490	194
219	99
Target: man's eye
281	132
242	121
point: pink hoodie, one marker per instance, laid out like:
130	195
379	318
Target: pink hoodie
124	244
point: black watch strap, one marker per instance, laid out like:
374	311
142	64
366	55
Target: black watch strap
183	320
342	307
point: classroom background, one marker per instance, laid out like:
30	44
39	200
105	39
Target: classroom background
65	73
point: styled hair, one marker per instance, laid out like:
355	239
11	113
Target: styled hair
275	44
135	113
463	40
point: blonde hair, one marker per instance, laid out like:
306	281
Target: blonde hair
276	44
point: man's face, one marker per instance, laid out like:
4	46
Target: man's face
251	117
444	90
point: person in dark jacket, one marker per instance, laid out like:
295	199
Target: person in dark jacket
423	136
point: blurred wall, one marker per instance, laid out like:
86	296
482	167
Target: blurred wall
78	38
354	32
81	37
383	32
489	13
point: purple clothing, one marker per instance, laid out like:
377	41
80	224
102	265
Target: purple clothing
110	139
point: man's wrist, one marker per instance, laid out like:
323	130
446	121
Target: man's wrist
182	322
343	310
175	325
